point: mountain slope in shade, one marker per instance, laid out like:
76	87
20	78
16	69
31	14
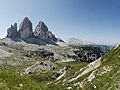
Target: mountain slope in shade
77	42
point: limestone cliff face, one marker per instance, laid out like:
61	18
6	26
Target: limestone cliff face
25	29
41	31
12	31
41	35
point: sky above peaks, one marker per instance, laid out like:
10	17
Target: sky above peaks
92	20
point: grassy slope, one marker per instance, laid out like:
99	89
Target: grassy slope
107	76
104	80
108	79
9	80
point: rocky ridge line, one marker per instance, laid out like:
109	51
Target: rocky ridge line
25	32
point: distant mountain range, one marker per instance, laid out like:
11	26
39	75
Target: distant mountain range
77	42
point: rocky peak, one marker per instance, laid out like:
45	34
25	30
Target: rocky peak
41	31
12	31
40	36
26	22
42	26
25	29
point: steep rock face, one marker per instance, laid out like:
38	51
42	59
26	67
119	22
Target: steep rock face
25	29
41	35
12	31
41	31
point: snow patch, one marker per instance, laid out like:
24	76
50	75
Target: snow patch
117	46
91	77
63	71
69	88
89	68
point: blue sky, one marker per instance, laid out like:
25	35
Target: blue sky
92	20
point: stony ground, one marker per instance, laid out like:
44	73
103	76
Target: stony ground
21	70
4	53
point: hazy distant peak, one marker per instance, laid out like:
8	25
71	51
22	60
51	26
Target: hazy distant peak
76	41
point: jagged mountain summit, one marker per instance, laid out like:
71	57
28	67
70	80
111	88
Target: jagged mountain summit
77	42
41	31
40	36
12	31
25	29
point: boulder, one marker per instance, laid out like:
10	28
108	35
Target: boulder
12	31
25	29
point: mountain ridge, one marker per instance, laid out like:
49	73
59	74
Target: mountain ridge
36	61
40	36
77	42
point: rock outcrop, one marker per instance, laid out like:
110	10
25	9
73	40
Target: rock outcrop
41	31
25	29
41	35
12	31
40	66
